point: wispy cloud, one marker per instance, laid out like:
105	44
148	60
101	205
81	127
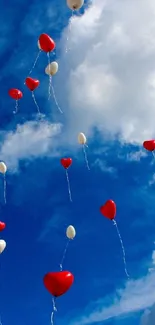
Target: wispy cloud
152	180
30	140
137	295
103	166
136	156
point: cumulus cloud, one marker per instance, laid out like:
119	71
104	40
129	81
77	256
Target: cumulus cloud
111	69
30	140
136	296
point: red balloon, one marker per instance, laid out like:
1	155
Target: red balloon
46	43
15	93
108	209
31	83
57	283
66	162
2	225
149	145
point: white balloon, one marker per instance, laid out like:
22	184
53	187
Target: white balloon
82	138
39	45
75	4
52	68
2	245
3	168
70	232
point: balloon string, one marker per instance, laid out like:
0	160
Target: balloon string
123	250
4	189
16	107
50	77
35	62
36	103
85	155
153	154
68	32
69	190
56	99
64	255
53	311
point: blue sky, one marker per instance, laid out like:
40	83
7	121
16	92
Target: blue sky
105	87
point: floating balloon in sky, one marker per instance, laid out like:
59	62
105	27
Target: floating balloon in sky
46	44
51	70
2	245
82	140
66	163
108	210
3	170
2	225
32	84
75	4
70	233
15	94
57	283
149	145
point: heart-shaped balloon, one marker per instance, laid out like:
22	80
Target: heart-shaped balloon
15	93
2	225
46	43
2	245
108	209
31	83
57	283
149	145
66	162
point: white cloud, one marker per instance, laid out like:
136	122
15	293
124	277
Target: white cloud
103	166
29	140
110	69
137	295
136	156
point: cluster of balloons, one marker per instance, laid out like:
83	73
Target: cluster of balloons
58	283
3	170
45	44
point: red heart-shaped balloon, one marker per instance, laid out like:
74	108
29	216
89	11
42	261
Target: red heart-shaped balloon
57	283
15	93
2	225
108	209
149	145
46	43
31	83
66	162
